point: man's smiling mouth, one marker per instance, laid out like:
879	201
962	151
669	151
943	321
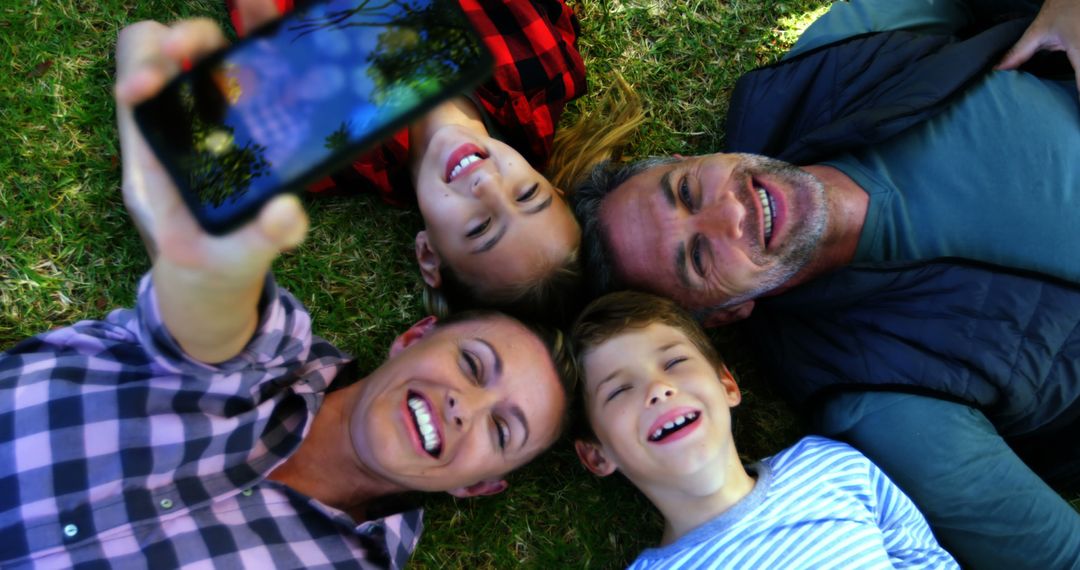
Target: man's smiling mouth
422	418
767	211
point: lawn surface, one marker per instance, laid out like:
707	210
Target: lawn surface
67	251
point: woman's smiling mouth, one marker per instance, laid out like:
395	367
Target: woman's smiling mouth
423	419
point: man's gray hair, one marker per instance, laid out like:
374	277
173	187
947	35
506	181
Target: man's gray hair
588	197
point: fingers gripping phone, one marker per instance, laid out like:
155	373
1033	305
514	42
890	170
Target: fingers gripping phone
302	96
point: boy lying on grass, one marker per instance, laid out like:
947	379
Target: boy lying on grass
657	402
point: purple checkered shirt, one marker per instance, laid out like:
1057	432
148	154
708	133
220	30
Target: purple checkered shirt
119	451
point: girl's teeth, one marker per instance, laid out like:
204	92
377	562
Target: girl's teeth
466	161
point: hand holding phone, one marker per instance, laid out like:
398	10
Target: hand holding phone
207	287
148	56
302	96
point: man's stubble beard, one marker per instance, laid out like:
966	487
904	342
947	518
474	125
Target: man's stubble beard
804	236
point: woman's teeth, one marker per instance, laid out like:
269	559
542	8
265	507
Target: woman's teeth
422	415
766	207
466	161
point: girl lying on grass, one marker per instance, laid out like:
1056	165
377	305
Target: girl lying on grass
498	233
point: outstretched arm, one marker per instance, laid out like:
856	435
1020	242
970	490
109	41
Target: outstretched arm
207	286
1056	28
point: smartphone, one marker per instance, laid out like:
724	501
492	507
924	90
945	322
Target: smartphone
300	97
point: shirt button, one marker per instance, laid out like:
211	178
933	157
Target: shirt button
246	492
71	530
166	504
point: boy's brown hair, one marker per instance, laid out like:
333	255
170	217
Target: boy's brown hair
612	315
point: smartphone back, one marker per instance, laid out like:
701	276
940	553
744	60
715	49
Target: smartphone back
304	95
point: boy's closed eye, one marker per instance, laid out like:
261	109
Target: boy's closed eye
672	363
618	390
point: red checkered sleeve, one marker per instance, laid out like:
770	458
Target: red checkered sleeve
537	71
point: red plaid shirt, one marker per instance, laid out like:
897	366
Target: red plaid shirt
537	71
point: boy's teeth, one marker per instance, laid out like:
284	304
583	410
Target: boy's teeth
465	161
422	417
677	422
767	214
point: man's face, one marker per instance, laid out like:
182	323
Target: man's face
457	405
714	230
660	410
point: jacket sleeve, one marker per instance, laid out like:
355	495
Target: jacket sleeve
847	19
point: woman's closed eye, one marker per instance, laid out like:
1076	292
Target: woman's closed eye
474	365
502	431
479	229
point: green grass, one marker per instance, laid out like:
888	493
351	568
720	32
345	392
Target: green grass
67	251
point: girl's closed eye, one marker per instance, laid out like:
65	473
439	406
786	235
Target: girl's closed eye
479	229
529	194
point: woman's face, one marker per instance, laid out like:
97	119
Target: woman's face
488	214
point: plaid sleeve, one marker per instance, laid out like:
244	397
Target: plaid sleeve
282	339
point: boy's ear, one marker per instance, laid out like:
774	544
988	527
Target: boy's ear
728	315
731	388
479	489
592	456
416	332
429	260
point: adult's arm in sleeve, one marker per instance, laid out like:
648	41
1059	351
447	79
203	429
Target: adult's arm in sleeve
207	287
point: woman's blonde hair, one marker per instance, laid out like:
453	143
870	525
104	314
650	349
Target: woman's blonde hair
597	136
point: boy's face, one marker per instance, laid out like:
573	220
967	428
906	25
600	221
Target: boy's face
660	410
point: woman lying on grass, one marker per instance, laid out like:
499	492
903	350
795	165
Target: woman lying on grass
498	233
209	427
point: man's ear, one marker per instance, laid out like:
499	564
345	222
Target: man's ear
479	489
591	455
416	332
429	260
728	315
731	388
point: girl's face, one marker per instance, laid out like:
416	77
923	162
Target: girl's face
488	214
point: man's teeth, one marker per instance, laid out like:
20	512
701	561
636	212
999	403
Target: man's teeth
673	425
466	161
422	415
766	208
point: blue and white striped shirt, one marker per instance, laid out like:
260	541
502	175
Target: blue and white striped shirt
818	504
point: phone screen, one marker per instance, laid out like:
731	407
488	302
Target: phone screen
306	94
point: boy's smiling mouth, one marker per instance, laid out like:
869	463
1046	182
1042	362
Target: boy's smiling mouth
425	424
672	426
